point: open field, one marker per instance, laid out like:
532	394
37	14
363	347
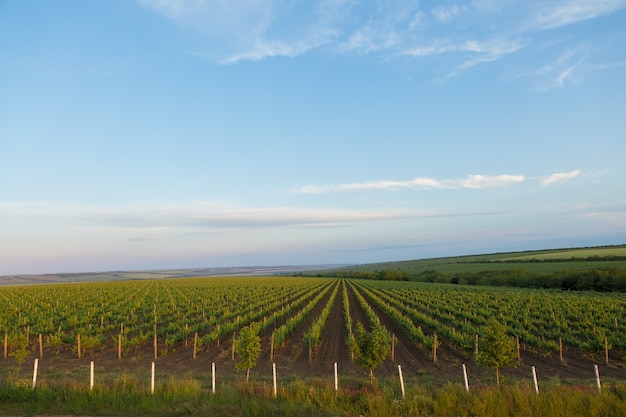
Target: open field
61	278
541	261
125	326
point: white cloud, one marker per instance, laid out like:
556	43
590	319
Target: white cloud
231	20
193	216
482	181
447	13
476	182
472	181
264	50
257	29
425	183
479	52
552	14
485	31
561	176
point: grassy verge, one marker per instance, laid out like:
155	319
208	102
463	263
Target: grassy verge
310	397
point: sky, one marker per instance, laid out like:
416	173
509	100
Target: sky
150	134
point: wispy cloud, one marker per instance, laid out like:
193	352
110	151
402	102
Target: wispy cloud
447	13
252	30
561	176
482	181
195	216
484	31
475	182
552	14
472	181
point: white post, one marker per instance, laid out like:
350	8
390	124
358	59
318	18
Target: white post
35	373
598	379
465	377
91	376
152	380
535	380
213	376
401	380
336	379
275	387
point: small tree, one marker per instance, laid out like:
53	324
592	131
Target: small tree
496	348
20	352
248	347
370	348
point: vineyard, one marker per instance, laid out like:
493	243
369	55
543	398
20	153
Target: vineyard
306	325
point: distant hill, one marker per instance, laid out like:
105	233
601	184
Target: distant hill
548	260
158	274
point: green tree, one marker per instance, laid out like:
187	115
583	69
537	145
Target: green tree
496	348
248	347
20	352
370	348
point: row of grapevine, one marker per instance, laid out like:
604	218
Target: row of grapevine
281	334
135	312
313	336
389	306
538	318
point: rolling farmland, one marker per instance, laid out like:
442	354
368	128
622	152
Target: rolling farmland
185	324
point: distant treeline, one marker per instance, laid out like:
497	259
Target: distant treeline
599	279
540	260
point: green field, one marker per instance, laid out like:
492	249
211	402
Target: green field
124	326
534	261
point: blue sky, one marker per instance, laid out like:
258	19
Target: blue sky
189	133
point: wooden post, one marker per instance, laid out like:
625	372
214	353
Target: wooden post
393	348
275	385
606	350
519	354
401	380
535	380
155	346
561	350
213	377
40	345
435	348
35	373
598	378
465	378
91	372
186	334
336	380
119	346
195	344
152	380
272	348
78	340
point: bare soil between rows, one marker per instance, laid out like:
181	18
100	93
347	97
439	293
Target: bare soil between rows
292	359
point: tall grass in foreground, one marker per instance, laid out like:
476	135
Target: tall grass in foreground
311	397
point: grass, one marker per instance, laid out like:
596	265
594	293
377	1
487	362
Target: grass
577	258
309	397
